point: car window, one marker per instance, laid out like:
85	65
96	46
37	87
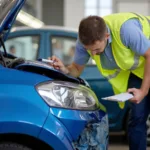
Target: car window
25	46
64	48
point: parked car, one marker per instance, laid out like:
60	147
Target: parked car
42	108
32	44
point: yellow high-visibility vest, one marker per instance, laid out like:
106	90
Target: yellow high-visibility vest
127	60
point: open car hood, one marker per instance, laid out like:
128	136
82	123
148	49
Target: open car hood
8	12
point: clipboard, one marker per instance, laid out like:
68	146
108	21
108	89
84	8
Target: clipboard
119	97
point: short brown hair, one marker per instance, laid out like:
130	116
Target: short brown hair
91	29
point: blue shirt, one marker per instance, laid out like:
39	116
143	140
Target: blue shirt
131	36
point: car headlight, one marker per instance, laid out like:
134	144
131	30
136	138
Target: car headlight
68	95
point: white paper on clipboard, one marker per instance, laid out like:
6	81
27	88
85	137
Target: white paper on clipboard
119	97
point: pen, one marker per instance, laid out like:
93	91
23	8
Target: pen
46	61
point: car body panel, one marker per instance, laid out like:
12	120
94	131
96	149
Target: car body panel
15	77
22	110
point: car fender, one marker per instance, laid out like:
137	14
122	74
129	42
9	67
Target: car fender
23	113
55	134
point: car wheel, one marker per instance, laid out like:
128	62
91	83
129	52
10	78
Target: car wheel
12	146
148	130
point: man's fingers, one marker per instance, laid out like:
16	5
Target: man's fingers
54	58
57	68
131	90
134	101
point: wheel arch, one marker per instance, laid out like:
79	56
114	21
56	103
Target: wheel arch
26	140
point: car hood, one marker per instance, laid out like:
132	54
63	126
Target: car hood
47	72
8	12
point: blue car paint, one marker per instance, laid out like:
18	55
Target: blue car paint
16	77
55	134
57	130
117	116
22	109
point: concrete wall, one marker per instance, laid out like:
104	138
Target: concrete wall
53	12
73	12
138	6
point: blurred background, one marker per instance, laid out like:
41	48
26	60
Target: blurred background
70	12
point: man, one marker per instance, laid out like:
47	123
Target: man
119	44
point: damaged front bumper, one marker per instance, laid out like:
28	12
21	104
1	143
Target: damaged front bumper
82	130
94	136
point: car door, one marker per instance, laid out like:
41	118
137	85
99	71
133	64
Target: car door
62	44
28	44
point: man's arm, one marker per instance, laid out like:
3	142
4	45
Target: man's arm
75	70
133	38
146	80
139	94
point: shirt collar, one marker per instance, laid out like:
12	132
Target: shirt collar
110	38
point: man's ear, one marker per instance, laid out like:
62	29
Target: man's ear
107	35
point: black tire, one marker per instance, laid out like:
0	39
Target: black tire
12	146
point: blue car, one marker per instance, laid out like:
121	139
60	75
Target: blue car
40	107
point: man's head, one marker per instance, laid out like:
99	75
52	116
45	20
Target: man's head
93	34
12	50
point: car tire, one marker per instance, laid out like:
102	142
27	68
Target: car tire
13	146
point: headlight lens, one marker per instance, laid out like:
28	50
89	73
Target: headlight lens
68	95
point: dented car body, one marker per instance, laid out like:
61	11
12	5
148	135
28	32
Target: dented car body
42	108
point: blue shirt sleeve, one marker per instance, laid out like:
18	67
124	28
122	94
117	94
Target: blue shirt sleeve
133	37
81	56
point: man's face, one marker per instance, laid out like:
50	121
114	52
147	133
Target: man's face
98	47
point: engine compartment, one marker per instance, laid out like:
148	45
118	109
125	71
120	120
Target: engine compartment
38	67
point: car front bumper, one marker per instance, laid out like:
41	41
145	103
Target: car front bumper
94	136
76	130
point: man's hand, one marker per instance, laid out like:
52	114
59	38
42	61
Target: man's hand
73	69
58	64
138	95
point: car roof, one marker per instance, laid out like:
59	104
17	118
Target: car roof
60	28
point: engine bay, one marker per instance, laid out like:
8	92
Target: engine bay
37	67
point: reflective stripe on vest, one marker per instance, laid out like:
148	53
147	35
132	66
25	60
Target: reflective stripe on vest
113	75
136	62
